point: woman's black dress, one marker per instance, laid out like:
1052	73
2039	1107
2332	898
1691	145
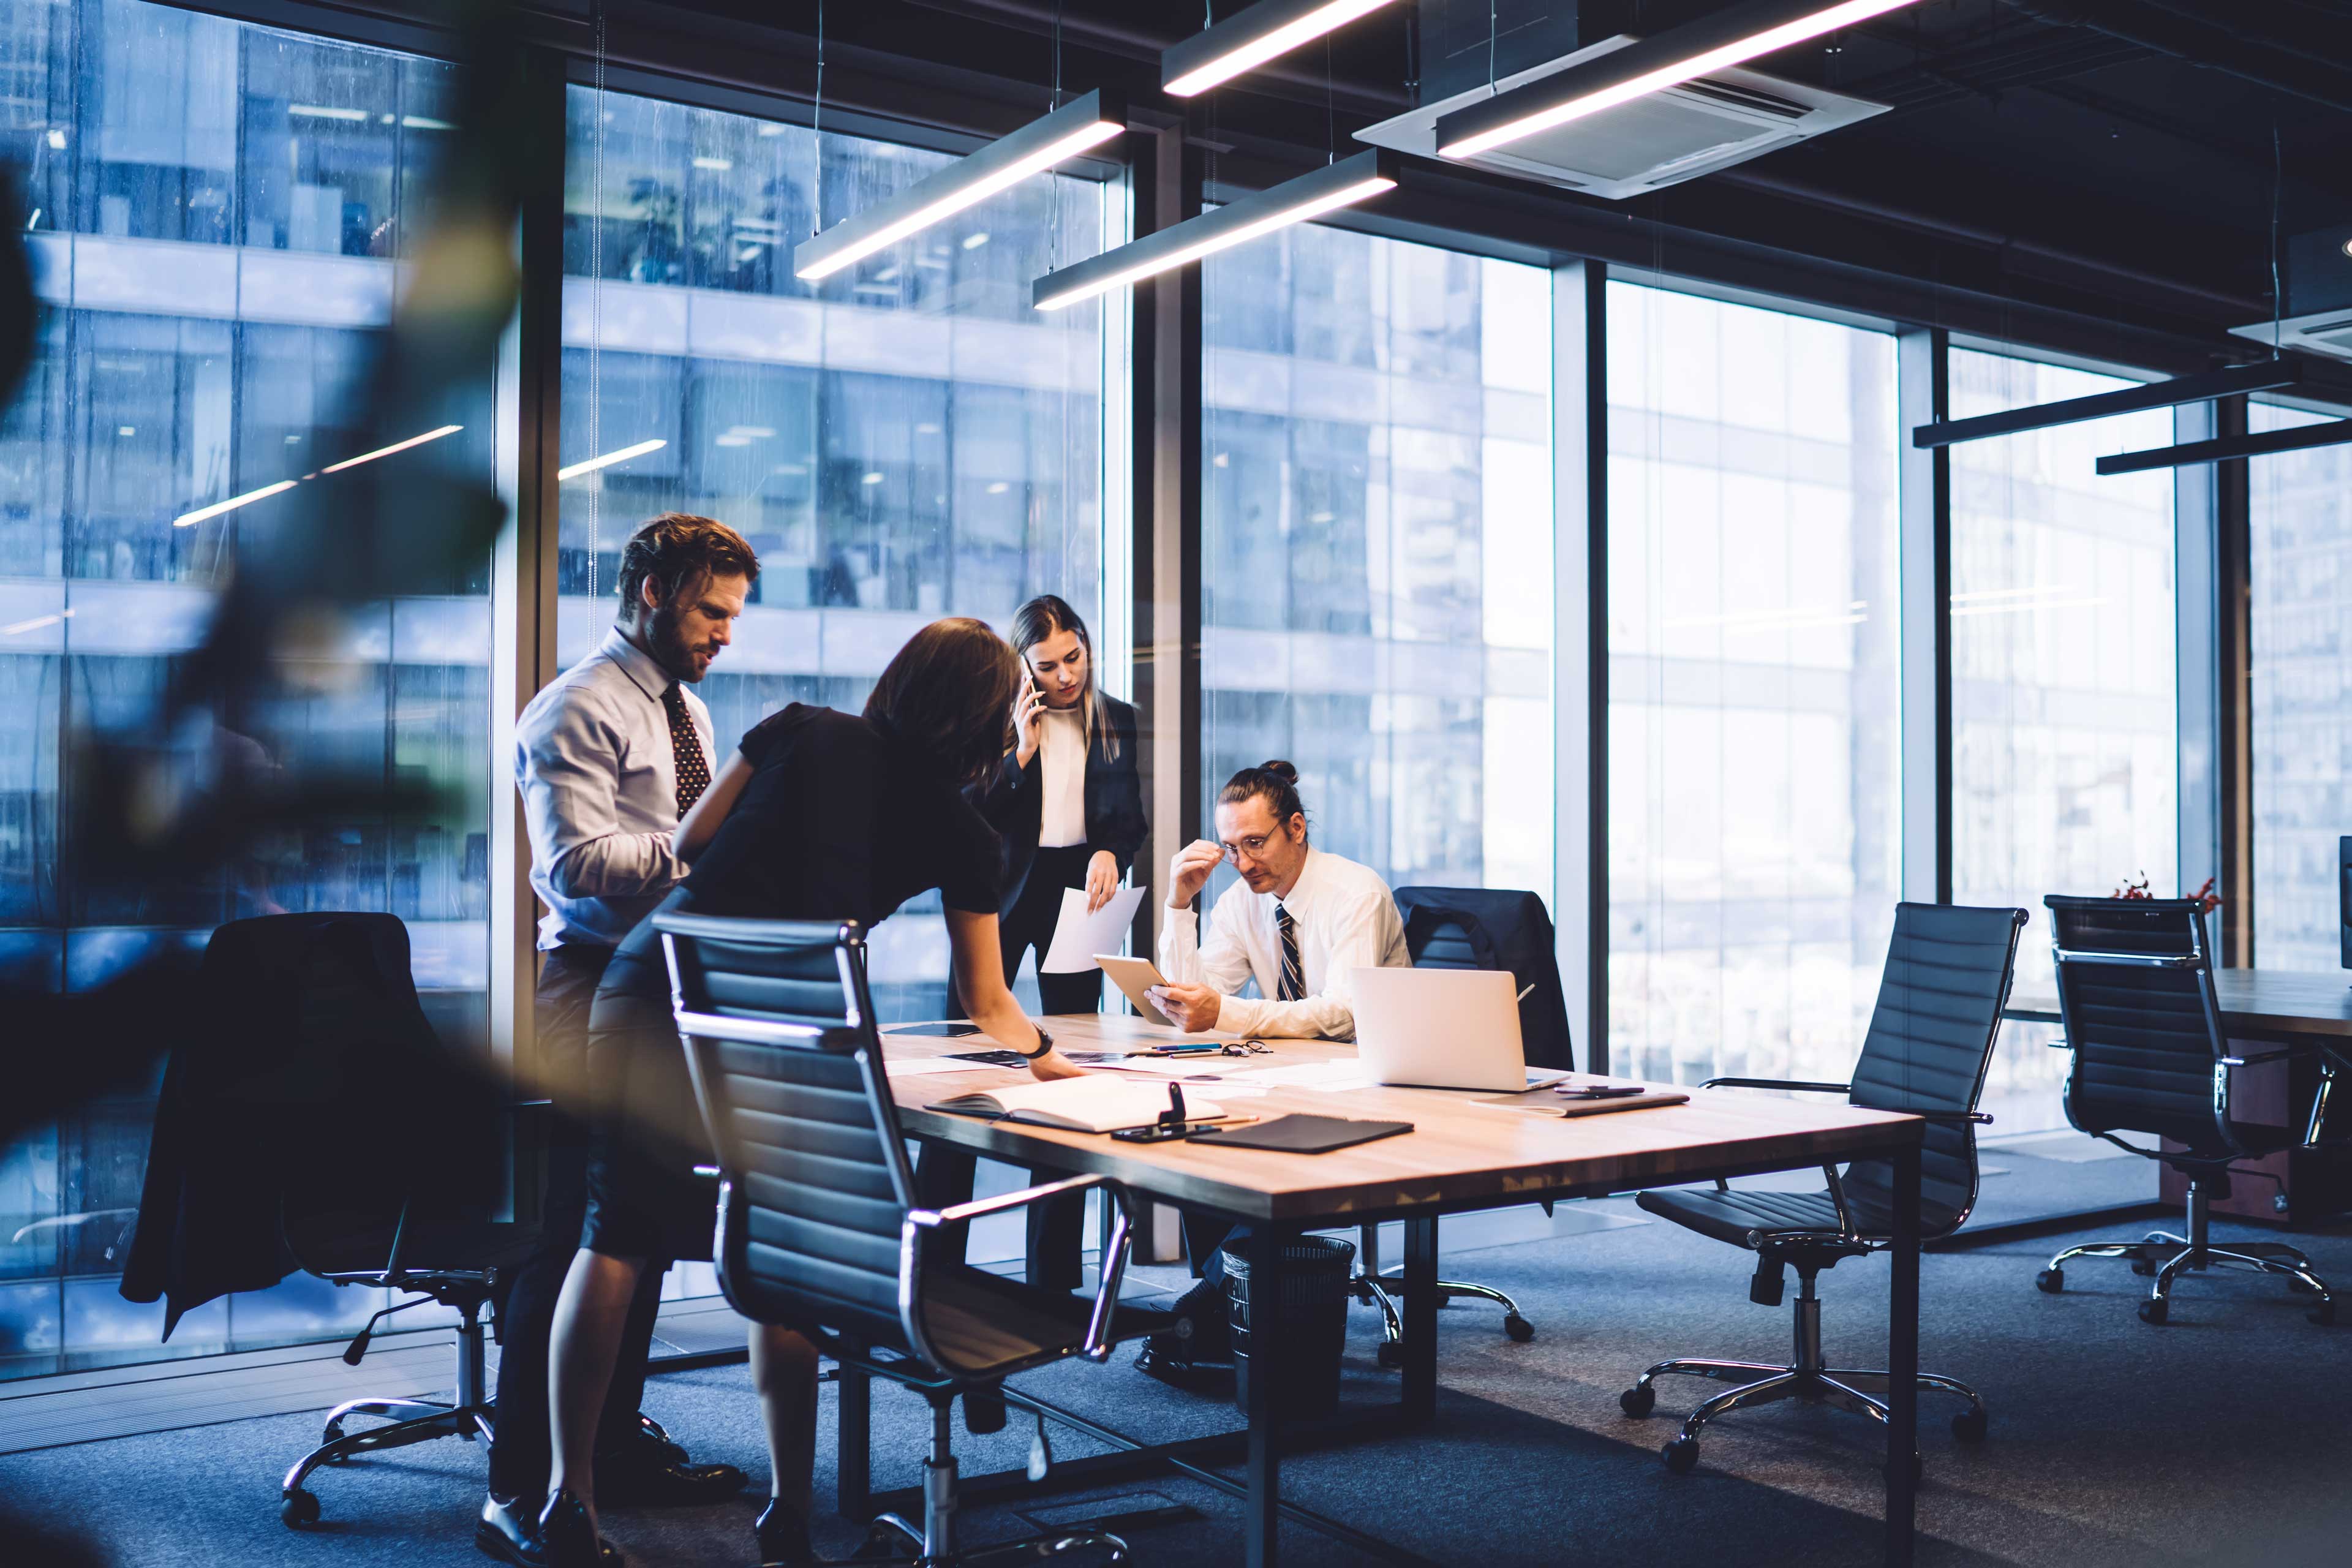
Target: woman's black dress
840	821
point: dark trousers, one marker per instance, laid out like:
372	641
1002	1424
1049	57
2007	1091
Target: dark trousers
1031	921
520	1455
1057	1246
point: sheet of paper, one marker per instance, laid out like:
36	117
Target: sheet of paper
1342	1073
1078	936
918	1066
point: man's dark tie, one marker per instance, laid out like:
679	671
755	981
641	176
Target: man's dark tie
1293	976
685	746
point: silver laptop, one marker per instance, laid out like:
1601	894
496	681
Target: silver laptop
1439	1028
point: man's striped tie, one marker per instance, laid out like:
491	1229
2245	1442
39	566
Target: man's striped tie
1294	977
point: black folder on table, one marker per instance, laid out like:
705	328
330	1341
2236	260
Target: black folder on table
1301	1134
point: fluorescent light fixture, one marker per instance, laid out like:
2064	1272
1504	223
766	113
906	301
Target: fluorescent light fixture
1711	43
36	624
2259	444
57	140
2236	379
1294	201
1246	41
321	112
730	441
975	241
609	458
190	519
425	122
1039	145
388	451
871	479
718	165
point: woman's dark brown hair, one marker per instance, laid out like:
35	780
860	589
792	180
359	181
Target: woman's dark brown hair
1276	783
1040	618
946	694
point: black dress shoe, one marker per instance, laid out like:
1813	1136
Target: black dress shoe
567	1540
783	1537
504	1533
650	1471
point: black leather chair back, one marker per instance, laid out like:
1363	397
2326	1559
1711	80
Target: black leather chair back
1931	1038
815	1183
1493	928
2135	996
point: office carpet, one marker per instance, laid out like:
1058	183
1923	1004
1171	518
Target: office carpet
2216	1440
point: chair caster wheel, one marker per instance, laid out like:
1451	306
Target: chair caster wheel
2050	1281
1681	1455
1969	1425
1519	1329
881	1544
1390	1353
2323	1314
2155	1312
298	1509
1638	1400
2142	1267
1919	1469
1445	1297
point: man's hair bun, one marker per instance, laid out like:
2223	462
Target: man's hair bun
1282	771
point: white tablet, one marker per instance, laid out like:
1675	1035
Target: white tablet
1135	977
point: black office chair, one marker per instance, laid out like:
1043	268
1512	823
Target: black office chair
818	1225
1473	928
2136	998
1931	1038
301	1029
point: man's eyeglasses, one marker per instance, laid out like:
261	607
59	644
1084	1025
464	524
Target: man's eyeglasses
1252	848
1245	1048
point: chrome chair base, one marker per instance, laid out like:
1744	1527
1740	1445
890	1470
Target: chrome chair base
2167	1256
1373	1287
934	1540
1858	1391
469	1417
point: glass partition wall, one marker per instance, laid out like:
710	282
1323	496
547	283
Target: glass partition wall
904	441
1375	549
1753	687
2064	741
213	212
2299	516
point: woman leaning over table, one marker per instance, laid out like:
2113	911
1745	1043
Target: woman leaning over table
818	815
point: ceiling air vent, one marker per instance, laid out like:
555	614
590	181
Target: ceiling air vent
1708	123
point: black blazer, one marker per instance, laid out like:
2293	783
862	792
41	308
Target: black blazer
1013	801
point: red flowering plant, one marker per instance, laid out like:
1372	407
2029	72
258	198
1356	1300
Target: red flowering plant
2208	900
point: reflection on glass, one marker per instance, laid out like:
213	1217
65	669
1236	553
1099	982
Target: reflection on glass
1376	542
1754	691
2301	517
2065	762
903	440
225	204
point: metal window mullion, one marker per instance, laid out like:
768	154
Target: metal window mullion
1580	649
1924	509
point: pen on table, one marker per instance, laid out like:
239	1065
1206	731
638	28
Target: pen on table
1523	996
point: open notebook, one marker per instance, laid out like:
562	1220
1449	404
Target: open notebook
1098	1102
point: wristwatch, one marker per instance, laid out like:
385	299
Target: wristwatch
1044	1043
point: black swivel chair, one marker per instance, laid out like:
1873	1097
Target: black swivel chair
819	1229
301	1029
1475	927
1931	1038
2136	997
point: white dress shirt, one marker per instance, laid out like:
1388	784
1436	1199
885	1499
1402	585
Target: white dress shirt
1062	756
598	774
1345	919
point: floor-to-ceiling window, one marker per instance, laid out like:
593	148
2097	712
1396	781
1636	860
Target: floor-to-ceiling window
1376	549
2300	518
215	212
1753	687
904	441
2065	755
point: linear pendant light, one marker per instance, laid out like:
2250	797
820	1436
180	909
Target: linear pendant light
1711	43
1294	201
2263	376
1078	125
1243	42
2261	443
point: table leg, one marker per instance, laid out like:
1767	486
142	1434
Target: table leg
1421	1320
1263	1515
1903	1357
853	1485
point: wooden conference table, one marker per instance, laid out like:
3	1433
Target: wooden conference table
2256	1003
1459	1157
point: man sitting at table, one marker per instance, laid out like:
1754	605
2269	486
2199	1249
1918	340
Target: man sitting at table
1299	923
